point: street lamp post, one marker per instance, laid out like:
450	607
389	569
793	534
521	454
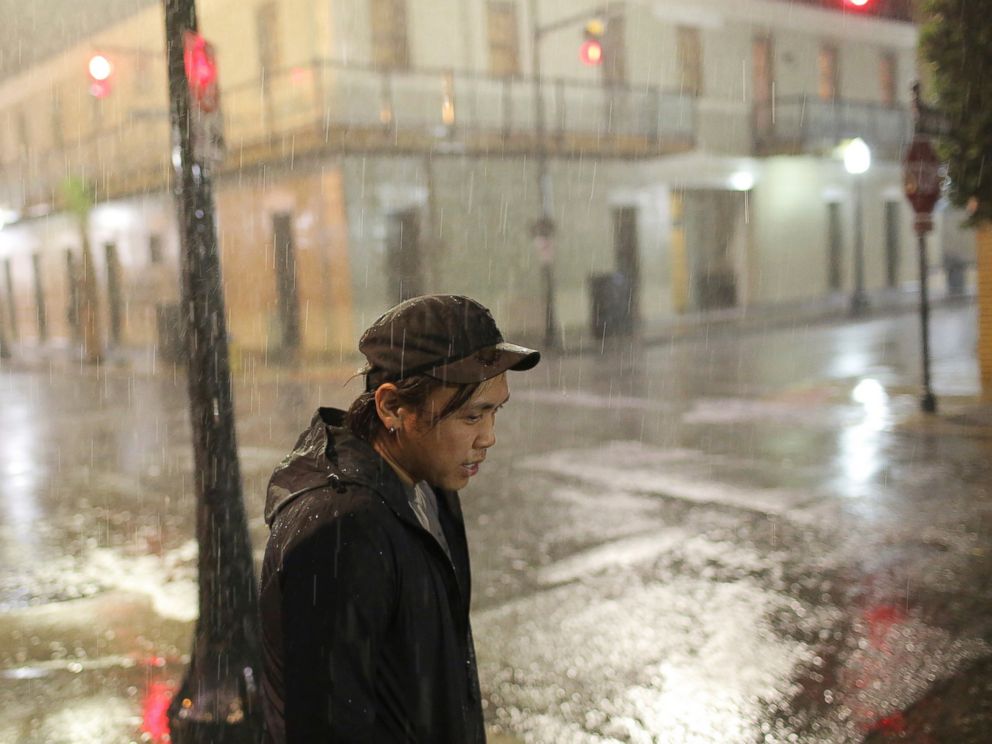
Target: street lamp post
857	161
218	700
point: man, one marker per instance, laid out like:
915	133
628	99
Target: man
365	583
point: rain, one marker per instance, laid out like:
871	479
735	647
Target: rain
745	495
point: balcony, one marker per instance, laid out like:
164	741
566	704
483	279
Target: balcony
348	108
327	108
800	125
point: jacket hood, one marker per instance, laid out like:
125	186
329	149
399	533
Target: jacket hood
326	454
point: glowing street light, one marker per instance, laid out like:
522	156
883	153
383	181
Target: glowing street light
857	161
857	157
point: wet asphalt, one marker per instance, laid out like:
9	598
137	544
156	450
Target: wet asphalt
734	537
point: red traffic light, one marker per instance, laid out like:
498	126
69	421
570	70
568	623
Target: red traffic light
591	52
100	70
858	4
201	71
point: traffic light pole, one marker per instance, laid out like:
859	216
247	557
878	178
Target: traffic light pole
543	229
545	222
218	700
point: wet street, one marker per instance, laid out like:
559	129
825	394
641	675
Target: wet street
735	537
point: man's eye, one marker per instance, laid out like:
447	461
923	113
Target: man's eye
473	419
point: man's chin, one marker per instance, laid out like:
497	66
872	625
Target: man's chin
456	483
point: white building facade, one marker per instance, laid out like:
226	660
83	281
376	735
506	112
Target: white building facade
382	148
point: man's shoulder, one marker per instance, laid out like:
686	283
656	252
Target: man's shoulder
352	515
335	502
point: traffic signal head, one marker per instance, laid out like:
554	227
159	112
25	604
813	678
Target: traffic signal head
591	51
858	4
201	71
101	71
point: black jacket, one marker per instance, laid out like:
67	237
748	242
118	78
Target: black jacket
365	626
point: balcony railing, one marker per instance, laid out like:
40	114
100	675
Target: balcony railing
456	107
336	107
799	124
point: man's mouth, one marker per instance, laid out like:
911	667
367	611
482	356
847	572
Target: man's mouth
471	467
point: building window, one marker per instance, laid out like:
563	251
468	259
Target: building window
390	50
267	39
764	83
504	39
887	78
142	73
23	141
827	68
690	54
58	124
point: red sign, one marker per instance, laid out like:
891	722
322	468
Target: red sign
921	175
201	71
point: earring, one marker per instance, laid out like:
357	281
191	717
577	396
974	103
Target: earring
392	429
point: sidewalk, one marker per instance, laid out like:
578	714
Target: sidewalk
256	367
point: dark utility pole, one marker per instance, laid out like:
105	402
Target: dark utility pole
218	701
543	229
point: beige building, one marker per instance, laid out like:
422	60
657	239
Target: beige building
381	148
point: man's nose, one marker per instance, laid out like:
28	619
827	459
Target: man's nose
487	438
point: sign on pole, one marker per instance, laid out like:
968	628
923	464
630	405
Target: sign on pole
921	180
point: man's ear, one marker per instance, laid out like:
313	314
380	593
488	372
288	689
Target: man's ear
387	405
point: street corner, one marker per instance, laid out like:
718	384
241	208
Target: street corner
957	416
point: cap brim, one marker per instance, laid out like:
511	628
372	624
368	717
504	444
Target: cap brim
487	363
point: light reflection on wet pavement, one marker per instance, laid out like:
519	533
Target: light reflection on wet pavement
746	538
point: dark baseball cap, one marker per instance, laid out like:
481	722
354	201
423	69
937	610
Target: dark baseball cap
449	337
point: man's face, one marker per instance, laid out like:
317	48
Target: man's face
448	453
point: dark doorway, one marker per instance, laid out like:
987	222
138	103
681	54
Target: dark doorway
716	236
835	247
114	298
8	271
287	293
72	283
155	248
892	243
39	298
403	255
627	252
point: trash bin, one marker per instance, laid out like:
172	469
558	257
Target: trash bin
610	305
168	322
956	269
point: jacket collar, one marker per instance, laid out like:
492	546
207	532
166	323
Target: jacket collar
329	455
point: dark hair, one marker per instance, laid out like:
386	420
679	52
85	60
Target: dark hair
363	419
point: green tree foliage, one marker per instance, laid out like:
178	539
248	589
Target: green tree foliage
956	41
